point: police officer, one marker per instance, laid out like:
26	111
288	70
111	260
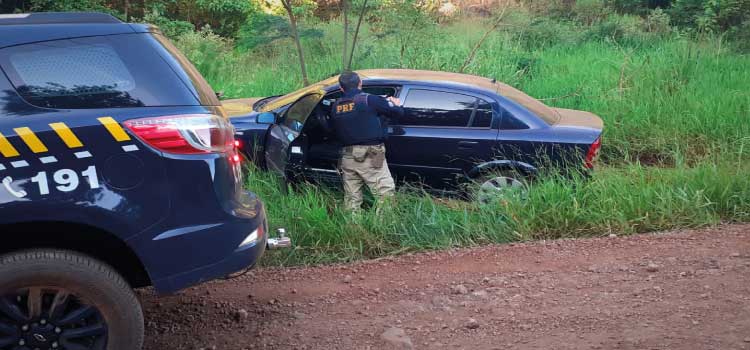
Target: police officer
357	120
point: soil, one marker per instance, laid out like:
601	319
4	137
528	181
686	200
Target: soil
675	290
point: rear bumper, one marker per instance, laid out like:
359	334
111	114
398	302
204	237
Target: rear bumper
238	260
195	247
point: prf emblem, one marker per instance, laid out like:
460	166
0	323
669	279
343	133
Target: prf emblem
344	108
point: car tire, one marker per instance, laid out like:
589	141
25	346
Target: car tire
55	296
490	186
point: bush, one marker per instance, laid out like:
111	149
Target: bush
543	32
710	15
622	29
205	49
633	7
740	36
170	28
657	22
590	12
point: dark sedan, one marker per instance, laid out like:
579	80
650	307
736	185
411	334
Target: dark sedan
456	129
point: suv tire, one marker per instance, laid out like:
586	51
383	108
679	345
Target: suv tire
67	286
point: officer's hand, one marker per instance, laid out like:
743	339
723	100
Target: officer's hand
394	100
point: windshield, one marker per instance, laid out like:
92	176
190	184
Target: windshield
291	97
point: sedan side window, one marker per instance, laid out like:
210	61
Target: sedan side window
299	111
437	108
483	115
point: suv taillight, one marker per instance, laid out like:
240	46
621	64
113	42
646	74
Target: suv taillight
592	153
185	134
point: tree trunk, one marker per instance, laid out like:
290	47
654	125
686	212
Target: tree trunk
295	35
356	33
126	9
344	66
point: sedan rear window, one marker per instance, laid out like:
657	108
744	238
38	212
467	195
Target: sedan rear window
437	108
95	72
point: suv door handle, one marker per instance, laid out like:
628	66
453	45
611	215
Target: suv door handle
467	144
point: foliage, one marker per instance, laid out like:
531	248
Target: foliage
591	12
657	21
404	20
263	28
710	15
72	5
170	28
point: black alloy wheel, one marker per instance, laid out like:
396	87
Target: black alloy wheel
64	300
49	318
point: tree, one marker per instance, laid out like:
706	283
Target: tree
348	65
288	7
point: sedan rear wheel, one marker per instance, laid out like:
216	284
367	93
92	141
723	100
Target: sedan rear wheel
498	186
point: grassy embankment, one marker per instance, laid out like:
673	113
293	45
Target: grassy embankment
675	146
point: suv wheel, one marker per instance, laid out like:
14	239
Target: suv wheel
54	299
498	185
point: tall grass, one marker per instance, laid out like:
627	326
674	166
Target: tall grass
675	146
624	200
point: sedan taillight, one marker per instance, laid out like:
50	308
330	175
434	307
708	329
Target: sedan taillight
185	134
592	153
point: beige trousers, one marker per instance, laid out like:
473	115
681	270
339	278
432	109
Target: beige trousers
362	165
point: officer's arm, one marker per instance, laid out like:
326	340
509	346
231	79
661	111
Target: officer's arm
322	113
381	105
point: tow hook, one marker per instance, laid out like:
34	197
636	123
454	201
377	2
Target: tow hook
280	242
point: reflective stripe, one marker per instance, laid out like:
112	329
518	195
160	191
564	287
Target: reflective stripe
6	148
114	128
48	159
19	164
66	135
83	154
28	136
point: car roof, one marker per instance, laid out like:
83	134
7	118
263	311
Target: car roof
56	18
410	76
26	28
490	85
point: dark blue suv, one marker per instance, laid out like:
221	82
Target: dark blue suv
118	171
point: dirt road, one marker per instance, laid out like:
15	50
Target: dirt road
674	290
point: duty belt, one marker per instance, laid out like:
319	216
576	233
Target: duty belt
348	150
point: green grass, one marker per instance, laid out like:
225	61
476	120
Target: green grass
629	199
675	145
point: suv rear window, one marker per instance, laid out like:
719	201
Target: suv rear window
113	71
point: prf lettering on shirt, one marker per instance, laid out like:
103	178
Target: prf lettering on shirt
344	108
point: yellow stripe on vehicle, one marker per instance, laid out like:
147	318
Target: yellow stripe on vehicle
66	135
29	137
6	148
114	128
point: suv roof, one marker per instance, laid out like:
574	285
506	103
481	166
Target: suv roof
26	28
57	18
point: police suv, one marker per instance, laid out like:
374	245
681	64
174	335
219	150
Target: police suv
117	171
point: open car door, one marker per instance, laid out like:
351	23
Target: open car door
286	145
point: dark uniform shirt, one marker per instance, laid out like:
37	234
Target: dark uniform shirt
358	118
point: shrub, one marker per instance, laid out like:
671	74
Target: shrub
543	32
170	28
657	22
590	12
740	36
622	29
